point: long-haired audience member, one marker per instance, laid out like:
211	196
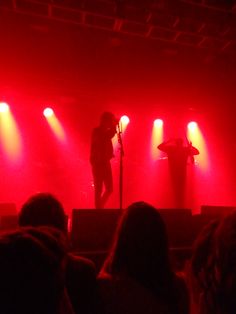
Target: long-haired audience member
44	209
220	295
32	273
137	276
199	272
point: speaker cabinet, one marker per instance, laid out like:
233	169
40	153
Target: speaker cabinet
93	229
216	211
8	216
179	226
8	222
7	209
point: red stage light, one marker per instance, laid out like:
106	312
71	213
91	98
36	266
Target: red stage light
192	125
4	107
48	112
158	122
125	120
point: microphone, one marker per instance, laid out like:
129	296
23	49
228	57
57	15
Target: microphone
118	130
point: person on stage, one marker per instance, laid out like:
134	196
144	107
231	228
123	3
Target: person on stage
101	152
177	152
179	155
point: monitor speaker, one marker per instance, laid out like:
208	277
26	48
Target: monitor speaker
179	226
8	216
216	211
93	229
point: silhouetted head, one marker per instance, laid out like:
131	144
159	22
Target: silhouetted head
43	209
31	272
141	246
108	119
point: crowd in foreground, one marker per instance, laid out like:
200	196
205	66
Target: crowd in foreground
39	274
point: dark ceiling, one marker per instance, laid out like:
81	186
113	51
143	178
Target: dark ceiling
129	51
204	24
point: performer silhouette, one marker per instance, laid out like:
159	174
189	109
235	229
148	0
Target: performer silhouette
178	156
101	152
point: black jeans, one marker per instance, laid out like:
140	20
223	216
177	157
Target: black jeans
102	176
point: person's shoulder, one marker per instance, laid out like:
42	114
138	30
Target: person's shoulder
179	279
81	263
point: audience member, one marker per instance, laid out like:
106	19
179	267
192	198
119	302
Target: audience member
44	209
199	267
219	295
32	273
137	276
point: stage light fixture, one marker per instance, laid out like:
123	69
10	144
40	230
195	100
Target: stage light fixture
48	112
192	125
124	119
4	107
158	122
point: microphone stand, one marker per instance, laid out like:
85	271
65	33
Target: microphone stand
119	132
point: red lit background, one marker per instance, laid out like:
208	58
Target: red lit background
82	71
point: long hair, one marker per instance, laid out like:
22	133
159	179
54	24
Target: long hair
201	264
201	260
32	271
140	249
223	290
43	209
